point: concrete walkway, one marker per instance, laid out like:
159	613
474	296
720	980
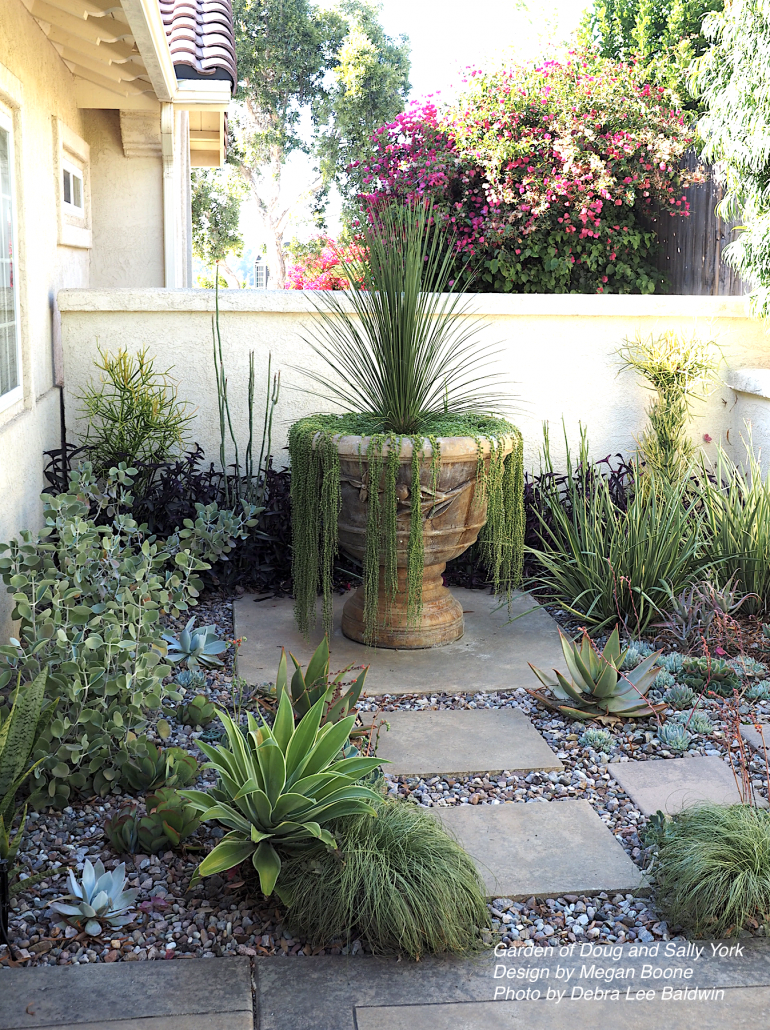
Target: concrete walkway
214	994
386	994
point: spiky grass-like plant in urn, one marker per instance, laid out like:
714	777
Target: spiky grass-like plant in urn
419	463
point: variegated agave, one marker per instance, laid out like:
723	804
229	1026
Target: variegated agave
596	687
98	900
278	787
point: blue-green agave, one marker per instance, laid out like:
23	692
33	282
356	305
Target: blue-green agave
597	687
97	900
196	646
278	788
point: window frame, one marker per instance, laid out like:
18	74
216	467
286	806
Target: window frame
75	172
73	154
13	396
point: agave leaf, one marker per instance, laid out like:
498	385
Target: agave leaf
567	690
268	866
281	675
545	679
93	927
64	909
329	745
89	879
226	855
283	725
273	766
318	666
299	749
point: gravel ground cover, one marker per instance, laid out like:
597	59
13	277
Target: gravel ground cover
223	916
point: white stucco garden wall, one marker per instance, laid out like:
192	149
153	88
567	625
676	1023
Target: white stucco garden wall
557	352
37	92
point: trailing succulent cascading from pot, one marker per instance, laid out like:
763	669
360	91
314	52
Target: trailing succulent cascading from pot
316	505
404	368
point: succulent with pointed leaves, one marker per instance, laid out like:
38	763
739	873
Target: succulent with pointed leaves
278	788
680	697
306	688
674	736
196	647
596	687
170	819
97	901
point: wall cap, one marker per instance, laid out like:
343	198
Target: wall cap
749	380
304	301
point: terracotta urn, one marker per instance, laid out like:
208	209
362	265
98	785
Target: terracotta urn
452	518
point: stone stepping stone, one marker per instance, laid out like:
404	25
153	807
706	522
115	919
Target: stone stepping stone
759	741
541	848
192	995
739	1008
462	742
670	785
492	654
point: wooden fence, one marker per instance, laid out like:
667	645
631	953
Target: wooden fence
690	249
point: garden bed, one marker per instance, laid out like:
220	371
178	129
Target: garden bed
221	916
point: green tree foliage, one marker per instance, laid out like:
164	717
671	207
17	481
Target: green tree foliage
732	80
217	195
663	36
312	81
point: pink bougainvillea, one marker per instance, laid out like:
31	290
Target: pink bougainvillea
318	266
542	173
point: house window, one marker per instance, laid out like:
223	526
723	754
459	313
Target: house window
72	188
10	357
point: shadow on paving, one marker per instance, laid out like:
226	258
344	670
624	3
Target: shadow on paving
458	994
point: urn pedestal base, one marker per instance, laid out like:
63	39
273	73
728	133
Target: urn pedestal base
441	621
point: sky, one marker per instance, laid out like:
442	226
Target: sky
446	36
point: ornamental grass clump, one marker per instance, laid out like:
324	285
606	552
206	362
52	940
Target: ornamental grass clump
714	869
397	880
403	367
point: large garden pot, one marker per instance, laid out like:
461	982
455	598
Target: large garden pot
452	520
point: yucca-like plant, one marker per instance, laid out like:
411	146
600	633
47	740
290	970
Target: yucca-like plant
98	900
596	687
602	563
397	349
736	503
196	646
278	787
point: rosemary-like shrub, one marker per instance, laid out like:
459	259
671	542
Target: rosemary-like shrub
316	501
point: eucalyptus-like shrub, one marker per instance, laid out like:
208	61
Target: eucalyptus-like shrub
544	173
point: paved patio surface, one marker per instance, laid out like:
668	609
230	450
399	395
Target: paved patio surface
194	995
492	655
463	741
458	994
673	784
544	849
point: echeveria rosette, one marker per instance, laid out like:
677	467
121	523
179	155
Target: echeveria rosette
278	787
97	900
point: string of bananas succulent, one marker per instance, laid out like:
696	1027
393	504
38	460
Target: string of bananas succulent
278	787
597	688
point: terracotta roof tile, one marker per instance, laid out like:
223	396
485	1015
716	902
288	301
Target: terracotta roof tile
200	35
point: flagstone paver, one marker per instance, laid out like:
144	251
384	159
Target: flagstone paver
194	995
543	849
677	783
463	741
491	655
335	994
759	741
738	1009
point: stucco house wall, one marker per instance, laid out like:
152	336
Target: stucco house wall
127	208
36	93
